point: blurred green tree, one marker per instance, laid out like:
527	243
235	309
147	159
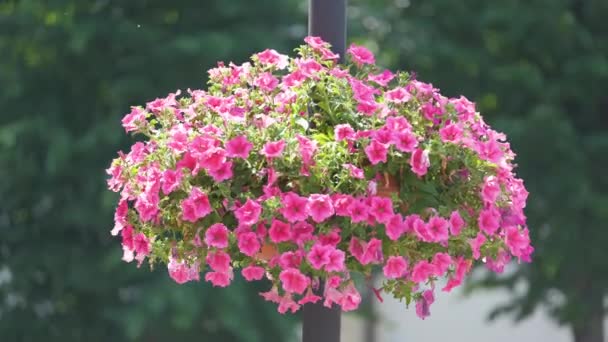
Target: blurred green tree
68	71
538	69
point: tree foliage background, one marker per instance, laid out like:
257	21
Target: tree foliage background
69	70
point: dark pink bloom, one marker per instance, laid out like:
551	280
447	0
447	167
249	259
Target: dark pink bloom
171	180
248	243
476	244
423	305
249	213
354	171
395	227
344	132
290	260
273	149
181	273
461	268
341	203
196	206
372	252
336	261
307	149
376	152
420	162
397	95
294	207
405	141
251	273
219	261
489	220
442	262
438	228
451	133
219	279
396	267
141	245
456	223
358	211
319	256
309	297
302	232
238	147
518	242
320	207
279	231
382	79
217	236
294	281
361	55
490	190
309	67
382	208
266	82
361	91
383	136
422	271
368	107
223	173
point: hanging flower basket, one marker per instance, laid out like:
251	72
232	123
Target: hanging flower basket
305	172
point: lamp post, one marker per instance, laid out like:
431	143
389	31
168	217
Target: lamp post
326	19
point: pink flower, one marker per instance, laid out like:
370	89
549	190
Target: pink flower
396	267
395	227
294	207
217	236
171	180
294	281
354	171
219	279
141	245
372	252
135	118
279	231
287	304
290	260
293	79
273	58
273	149
344	132
302	232
341	203
462	267
405	141
442	262
422	271
376	152
358	211
382	79
212	159
181	273
361	55
272	295
350	298
251	273
490	190
223	173
336	261
451	133
456	223
307	149
397	95
369	107
315	42
320	207
518	242
319	256
309	297
196	206
489	220
423	304
266	82
476	244
249	213
120	217
420	162
309	67
248	243
382	208
238	147
219	261
438	229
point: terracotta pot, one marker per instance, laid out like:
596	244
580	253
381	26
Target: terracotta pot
388	186
268	251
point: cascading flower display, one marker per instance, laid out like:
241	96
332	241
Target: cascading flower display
304	171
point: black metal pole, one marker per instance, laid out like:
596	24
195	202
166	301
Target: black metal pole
326	19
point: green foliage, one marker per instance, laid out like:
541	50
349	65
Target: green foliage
68	71
538	69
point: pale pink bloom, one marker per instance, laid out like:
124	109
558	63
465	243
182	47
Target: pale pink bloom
309	67
249	213
196	206
136	118
397	124
395	227
212	159
405	141
316	42
381	208
498	264
456	223
223	173
279	231
273	149
489	220
442	262
219	279
461	268
358	211
266	82
438	229
288	304
251	273
181	273
178	138
354	171
293	281
397	95
396	267
248	243
518	243
290	259
141	245
309	297
361	55
293	79
307	149
376	152
372	252
336	261
423	305
341	203
217	236
476	244
490	190
319	256
382	79
272	295
368	107
320	207
422	271
337	72
332	296
171	180
219	261
451	133
273	58
350	298
120	217
294	207
344	132
238	147
420	162
361	91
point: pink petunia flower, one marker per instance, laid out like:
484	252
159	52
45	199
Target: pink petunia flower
423	305
456	223
319	256
309	297
320	207
273	149
266	82
293	281
249	213
196	206
397	95
238	147
376	152
420	162
462	266
248	243
219	279
396	267
381	208
354	171
383	78
438	228
294	207
422	271
361	55
489	220
181	273
309	67
358	211
302	232
476	244
490	190
171	180
223	173
136	118
336	261
395	227
442	262
344	132
217	236
273	58
350	298
251	273
451	133
219	261
279	231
